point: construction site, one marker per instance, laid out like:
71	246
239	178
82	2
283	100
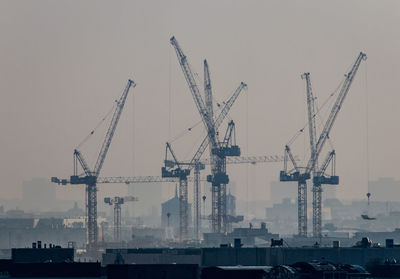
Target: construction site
222	151
202	141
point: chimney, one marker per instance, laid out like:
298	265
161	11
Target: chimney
263	226
389	243
238	243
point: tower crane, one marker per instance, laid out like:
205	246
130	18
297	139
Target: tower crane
301	175
319	177
218	178
117	202
197	178
89	178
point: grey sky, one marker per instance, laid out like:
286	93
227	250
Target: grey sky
62	63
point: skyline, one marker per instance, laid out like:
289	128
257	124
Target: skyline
58	81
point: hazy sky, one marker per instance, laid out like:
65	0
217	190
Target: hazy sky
63	63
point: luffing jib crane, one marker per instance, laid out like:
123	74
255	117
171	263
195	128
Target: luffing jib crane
318	174
211	127
301	175
117	202
196	179
89	178
218	153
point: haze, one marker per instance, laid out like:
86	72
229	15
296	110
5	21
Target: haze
63	63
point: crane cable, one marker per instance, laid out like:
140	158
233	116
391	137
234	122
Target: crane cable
188	130
97	126
367	124
295	136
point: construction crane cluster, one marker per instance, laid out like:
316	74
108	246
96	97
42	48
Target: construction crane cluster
302	174
219	150
222	152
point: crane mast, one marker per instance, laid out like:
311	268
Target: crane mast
90	176
169	171
218	165
312	164
117	202
91	187
158	179
316	148
311	115
317	191
212	139
208	122
226	148
211	127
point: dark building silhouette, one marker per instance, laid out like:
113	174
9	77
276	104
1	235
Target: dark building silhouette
42	253
167	271
21	232
171	206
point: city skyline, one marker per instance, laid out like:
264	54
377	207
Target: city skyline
63	69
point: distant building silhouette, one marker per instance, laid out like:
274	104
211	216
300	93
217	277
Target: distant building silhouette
171	206
230	204
286	210
281	190
75	211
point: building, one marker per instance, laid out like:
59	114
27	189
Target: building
230	204
167	271
75	211
281	190
171	208
286	210
65	270
252	256
153	256
236	272
42	253
19	232
248	236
